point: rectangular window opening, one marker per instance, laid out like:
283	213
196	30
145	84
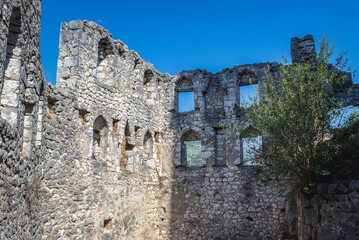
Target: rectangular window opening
193	153
185	101
246	95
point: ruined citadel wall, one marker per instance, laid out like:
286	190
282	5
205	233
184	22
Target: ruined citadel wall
101	182
113	163
223	199
103	151
20	83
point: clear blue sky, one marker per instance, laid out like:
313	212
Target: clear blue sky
212	35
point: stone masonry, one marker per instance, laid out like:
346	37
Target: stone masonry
21	81
102	156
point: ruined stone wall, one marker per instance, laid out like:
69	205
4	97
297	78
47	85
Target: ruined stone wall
332	214
228	203
102	132
102	156
216	100
222	199
112	131
115	166
20	83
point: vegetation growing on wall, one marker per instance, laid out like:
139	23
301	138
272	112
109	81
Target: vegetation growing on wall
294	108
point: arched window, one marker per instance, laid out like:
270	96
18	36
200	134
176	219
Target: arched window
251	146
147	147
191	149
105	62
12	68
100	135
184	95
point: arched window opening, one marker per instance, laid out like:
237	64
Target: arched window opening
12	68
251	147
247	83
148	86
184	95
100	134
191	149
147	147
105	62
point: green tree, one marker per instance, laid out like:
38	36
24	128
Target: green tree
294	108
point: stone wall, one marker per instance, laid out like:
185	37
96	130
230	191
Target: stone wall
112	131
20	185
334	214
102	134
20	85
115	166
228	203
102	156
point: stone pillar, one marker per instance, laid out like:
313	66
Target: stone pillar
302	49
68	71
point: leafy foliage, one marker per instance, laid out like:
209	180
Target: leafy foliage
293	109
342	150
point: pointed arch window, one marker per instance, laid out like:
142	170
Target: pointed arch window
148	146
100	135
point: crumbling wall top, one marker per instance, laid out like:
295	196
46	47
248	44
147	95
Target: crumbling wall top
302	49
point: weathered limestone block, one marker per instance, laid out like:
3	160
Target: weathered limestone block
75	25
